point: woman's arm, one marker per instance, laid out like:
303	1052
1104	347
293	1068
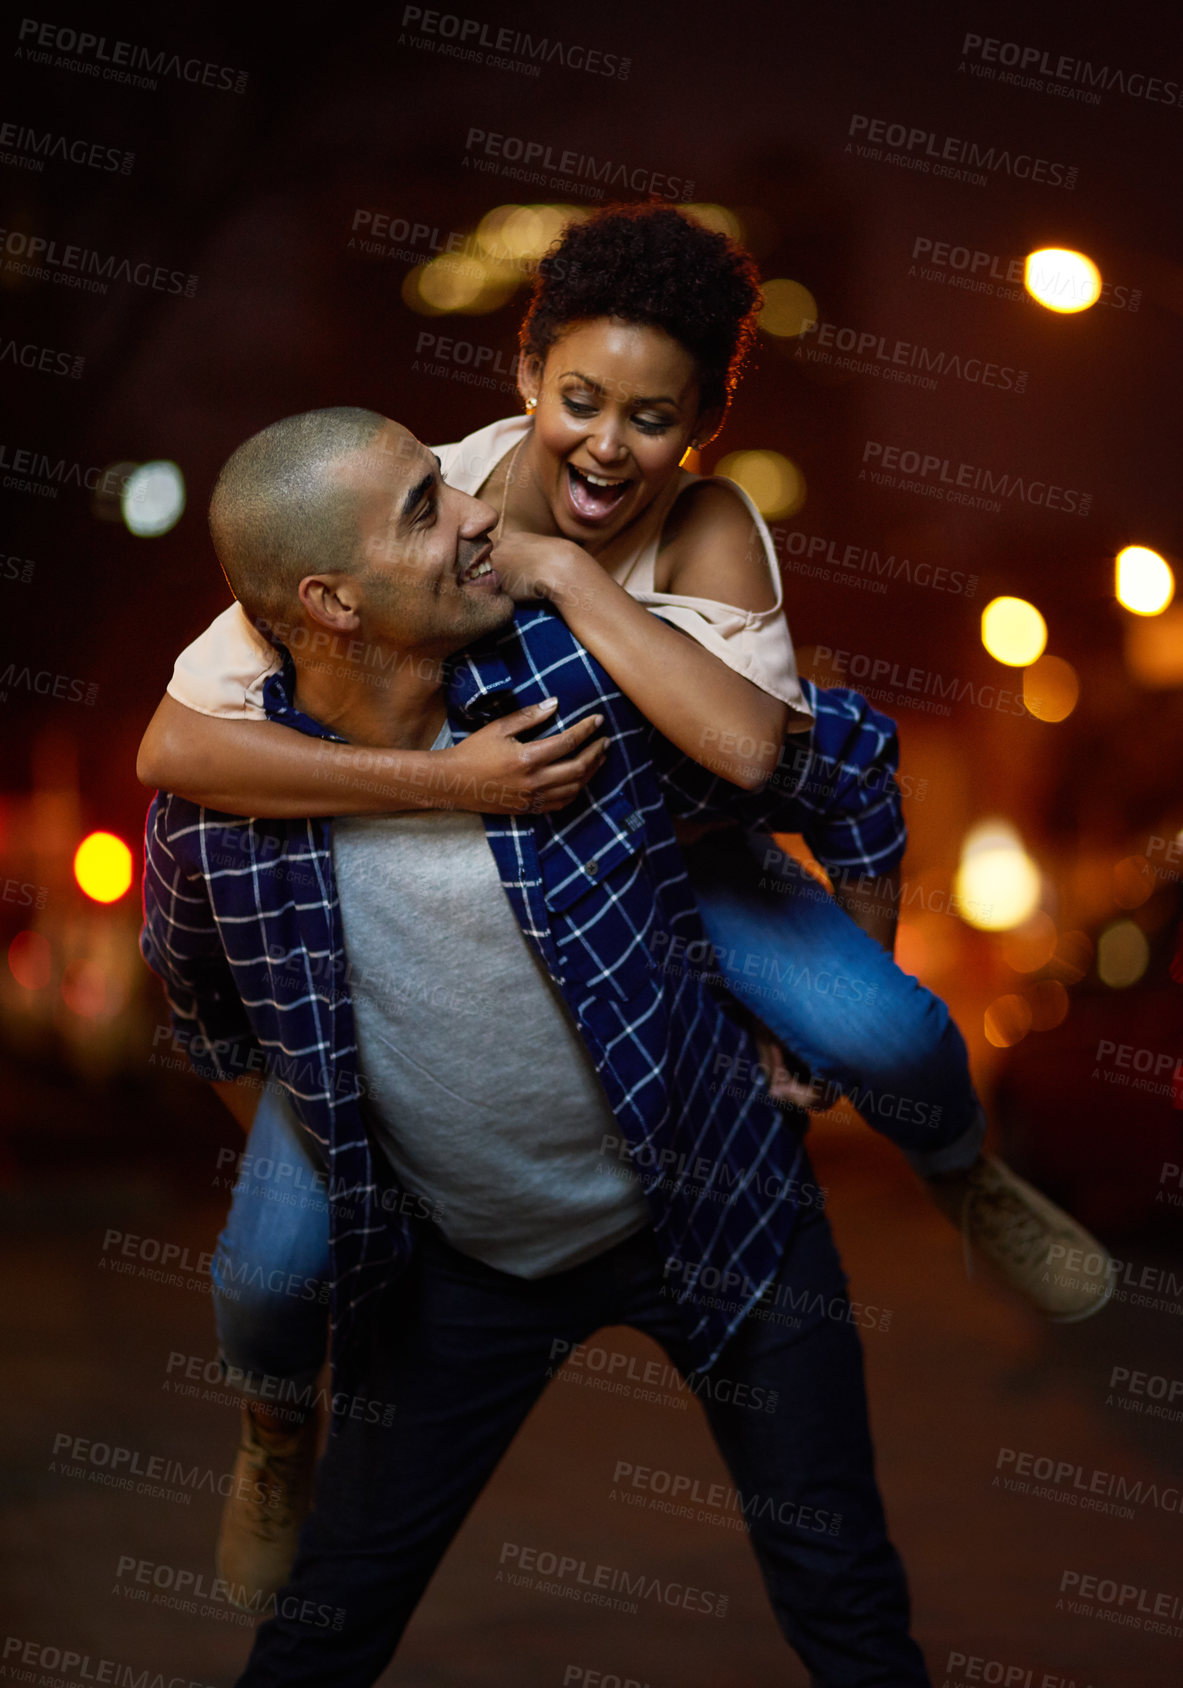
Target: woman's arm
258	767
714	715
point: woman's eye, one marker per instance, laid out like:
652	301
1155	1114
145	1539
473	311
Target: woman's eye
578	409
648	425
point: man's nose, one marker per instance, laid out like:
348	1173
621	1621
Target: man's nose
477	517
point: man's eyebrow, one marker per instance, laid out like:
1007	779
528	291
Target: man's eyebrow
598	387
420	491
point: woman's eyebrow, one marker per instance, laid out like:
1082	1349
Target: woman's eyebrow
598	387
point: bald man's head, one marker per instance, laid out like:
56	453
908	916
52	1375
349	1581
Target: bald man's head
281	510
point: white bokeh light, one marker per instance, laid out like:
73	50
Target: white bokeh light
153	499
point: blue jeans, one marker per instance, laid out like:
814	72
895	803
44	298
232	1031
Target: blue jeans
462	1352
782	946
836	999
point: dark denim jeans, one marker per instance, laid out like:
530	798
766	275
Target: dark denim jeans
463	1352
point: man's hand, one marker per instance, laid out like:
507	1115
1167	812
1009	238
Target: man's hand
497	775
532	565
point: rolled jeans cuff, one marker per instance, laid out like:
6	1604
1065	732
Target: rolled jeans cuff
957	1156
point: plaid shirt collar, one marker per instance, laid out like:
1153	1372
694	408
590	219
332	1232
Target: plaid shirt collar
478	685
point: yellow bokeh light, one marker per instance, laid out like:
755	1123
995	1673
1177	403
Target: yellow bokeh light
1154	648
523	232
1122	954
997	884
1013	631
1062	280
103	867
1007	1021
717	218
787	308
775	486
1050	688
1145	581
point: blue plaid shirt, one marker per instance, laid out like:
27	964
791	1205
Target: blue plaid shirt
243	924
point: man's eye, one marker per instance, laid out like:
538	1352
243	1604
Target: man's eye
426	516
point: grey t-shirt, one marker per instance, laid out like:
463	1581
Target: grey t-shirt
480	1090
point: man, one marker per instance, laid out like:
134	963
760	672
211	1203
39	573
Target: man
553	1091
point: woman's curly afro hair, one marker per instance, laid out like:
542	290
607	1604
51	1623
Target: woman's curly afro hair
655	265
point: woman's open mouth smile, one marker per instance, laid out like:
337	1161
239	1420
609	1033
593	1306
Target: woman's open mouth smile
592	497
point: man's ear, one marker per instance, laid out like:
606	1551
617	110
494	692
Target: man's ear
331	600
530	379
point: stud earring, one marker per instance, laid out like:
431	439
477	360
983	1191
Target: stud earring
531	404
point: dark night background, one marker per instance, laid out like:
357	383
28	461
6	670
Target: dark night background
255	193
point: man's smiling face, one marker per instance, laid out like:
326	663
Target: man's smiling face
423	579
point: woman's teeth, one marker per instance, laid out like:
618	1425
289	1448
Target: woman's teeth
594	496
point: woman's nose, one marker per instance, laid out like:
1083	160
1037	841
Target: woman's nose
606	443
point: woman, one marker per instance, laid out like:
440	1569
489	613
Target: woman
639	326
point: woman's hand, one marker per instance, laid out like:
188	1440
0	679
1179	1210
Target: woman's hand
532	565
493	774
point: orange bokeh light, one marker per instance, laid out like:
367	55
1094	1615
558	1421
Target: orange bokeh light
103	867
30	960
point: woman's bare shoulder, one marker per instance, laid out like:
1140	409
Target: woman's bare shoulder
711	548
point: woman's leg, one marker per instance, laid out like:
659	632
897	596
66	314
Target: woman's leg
868	1031
837	1000
271	1268
271	1276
